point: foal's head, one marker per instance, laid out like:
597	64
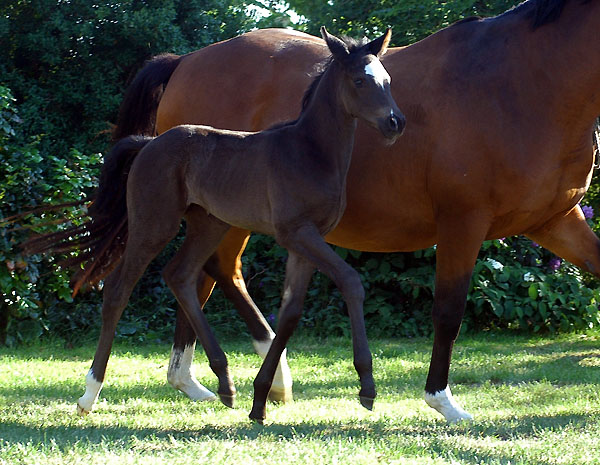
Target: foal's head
365	87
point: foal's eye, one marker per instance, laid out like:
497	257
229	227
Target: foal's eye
358	82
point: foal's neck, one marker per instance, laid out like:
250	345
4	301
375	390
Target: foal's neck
326	122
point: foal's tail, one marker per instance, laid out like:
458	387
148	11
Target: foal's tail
137	114
100	241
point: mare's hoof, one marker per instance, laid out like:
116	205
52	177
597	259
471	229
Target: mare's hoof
281	395
81	411
227	399
367	402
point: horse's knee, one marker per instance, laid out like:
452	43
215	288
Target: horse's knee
289	317
114	300
175	280
351	286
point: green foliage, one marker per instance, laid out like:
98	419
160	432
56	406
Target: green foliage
28	179
411	20
67	64
517	284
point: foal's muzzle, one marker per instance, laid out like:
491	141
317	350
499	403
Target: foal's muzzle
397	123
392	126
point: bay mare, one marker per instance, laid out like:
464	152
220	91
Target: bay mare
500	114
288	182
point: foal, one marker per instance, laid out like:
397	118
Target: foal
288	182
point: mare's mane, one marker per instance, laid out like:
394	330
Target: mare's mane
354	45
540	12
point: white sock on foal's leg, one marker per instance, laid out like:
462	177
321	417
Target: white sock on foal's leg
86	402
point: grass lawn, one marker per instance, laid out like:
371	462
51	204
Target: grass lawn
535	401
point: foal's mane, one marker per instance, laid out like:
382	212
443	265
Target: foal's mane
354	45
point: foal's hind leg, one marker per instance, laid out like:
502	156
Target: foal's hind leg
227	270
180	374
142	246
203	234
225	266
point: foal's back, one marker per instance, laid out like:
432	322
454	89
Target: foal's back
252	180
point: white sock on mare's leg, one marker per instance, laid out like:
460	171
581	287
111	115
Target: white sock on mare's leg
86	402
181	378
443	402
281	389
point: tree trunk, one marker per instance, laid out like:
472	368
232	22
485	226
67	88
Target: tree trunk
4	316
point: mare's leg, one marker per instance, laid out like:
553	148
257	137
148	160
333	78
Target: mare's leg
297	277
143	244
309	244
569	236
226	267
203	235
459	241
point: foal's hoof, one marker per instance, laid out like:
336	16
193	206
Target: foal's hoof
367	402
257	417
281	395
81	411
258	414
227	399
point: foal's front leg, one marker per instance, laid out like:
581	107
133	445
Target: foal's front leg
306	245
297	277
308	242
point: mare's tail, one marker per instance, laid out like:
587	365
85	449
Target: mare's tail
100	241
137	114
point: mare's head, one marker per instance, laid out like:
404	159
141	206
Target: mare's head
365	86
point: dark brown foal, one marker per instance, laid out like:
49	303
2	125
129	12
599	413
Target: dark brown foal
288	182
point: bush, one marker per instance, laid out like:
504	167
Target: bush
68	64
28	180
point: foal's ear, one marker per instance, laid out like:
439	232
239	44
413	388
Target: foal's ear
380	45
336	46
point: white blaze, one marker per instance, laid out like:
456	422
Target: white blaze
376	69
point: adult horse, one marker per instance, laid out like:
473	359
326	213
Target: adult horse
500	116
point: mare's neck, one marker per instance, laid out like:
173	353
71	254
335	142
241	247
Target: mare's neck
327	124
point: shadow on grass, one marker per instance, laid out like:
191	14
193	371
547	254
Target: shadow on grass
436	438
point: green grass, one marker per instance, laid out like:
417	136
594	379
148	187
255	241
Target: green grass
535	401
